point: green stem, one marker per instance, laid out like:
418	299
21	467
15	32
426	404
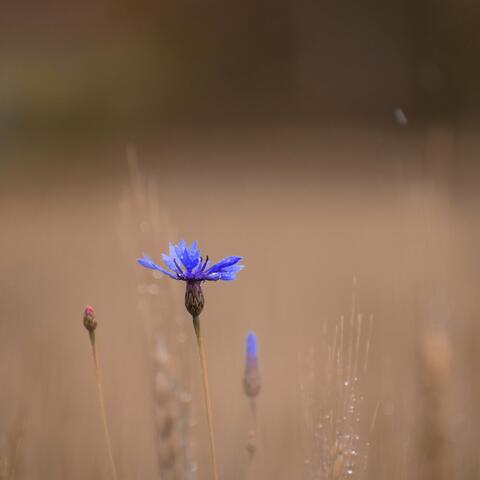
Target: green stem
206	391
102	405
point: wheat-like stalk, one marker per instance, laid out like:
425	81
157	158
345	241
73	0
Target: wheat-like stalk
337	441
143	224
165	412
435	368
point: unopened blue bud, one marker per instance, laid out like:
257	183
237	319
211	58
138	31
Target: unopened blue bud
251	379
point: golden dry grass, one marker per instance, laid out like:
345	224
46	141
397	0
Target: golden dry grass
309	213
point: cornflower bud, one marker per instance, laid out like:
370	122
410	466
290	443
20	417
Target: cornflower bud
251	379
194	300
89	321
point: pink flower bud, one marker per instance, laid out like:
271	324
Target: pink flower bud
89	319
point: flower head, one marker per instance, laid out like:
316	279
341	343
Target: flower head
251	346
251	378
187	264
89	319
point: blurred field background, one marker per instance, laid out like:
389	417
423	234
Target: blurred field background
333	145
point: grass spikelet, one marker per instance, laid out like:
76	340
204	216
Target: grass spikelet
165	412
143	224
5	458
10	446
335	425
171	416
435	370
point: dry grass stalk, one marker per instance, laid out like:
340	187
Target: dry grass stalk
143	225
435	373
4	459
10	446
7	458
336	437
171	408
165	412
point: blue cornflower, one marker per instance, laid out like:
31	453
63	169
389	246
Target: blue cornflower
187	264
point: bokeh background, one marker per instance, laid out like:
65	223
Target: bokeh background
332	144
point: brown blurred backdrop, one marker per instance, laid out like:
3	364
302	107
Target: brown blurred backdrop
100	66
324	141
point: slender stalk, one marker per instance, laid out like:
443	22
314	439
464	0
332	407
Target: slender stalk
252	444
102	405
253	408
206	391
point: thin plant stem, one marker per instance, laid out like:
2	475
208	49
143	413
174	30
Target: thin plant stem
253	407
18	440
206	391
102	405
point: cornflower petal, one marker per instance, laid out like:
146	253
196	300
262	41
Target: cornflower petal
182	253
147	262
251	345
175	258
169	262
222	264
194	255
194	250
233	269
228	276
213	277
173	252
